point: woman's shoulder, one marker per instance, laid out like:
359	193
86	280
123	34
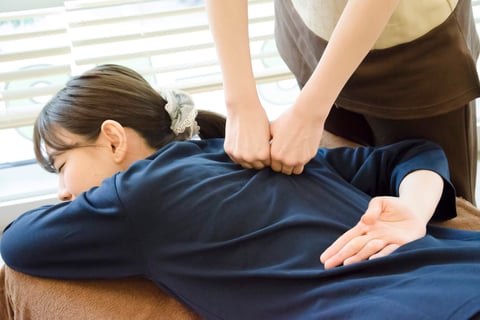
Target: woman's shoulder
189	148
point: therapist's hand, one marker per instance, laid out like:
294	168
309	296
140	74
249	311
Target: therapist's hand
295	141
247	137
387	224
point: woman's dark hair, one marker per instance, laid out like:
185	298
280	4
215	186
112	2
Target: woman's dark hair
117	93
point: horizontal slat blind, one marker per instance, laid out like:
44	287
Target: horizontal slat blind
169	44
34	62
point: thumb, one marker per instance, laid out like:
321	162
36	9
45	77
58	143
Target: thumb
373	211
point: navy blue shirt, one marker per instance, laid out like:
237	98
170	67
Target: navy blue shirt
233	243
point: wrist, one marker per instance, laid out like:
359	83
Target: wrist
412	192
242	105
312	104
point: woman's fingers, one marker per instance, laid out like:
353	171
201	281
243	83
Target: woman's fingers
360	249
370	249
254	164
286	169
386	251
346	251
371	215
341	242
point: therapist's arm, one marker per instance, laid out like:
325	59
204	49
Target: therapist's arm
297	132
247	136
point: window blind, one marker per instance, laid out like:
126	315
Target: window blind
167	41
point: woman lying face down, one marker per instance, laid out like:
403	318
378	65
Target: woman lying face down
107	118
342	239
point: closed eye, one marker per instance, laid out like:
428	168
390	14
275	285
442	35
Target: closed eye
54	158
59	170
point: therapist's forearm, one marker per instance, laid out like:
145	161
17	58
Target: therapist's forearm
357	30
228	21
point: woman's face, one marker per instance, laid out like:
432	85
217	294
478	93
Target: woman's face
82	167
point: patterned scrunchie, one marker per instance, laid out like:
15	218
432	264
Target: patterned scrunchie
182	112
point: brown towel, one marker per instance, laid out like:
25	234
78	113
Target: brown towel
468	217
24	297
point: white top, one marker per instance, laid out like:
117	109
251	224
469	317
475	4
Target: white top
411	19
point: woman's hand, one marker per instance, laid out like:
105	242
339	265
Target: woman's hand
247	137
387	224
295	141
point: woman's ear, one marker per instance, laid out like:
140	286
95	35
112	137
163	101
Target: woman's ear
115	135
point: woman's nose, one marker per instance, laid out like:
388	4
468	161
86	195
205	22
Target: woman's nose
64	195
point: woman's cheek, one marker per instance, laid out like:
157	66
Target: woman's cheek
76	182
